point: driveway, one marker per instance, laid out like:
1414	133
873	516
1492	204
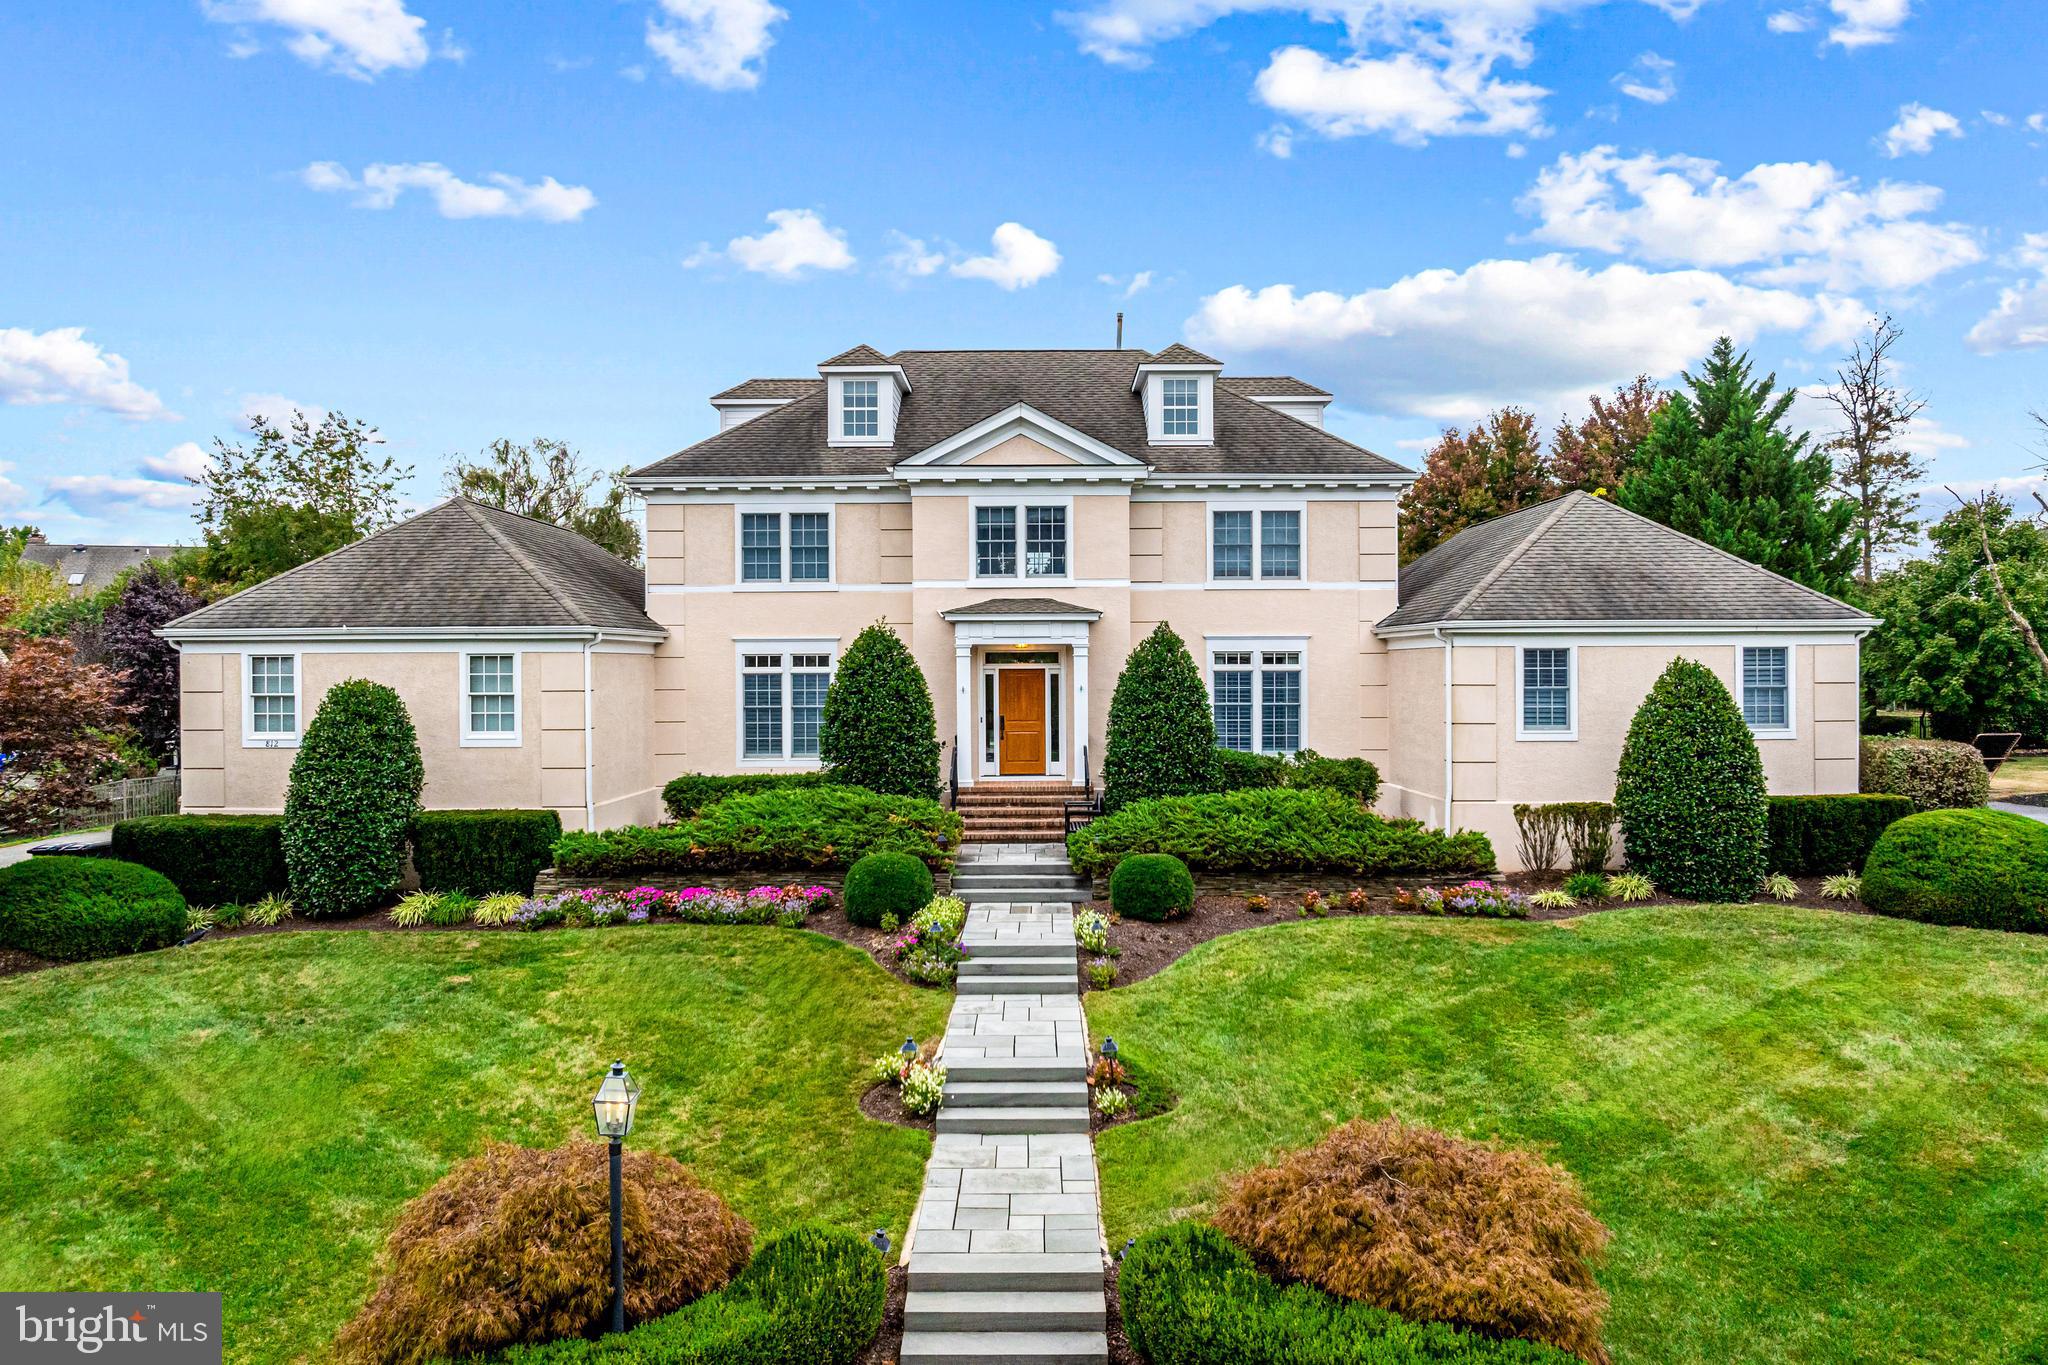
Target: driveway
15	853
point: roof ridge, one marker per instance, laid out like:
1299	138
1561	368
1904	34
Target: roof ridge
1726	554
1508	560
544	523
474	509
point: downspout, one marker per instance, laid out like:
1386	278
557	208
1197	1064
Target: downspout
1445	641
589	754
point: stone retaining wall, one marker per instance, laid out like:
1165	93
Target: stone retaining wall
550	881
1283	885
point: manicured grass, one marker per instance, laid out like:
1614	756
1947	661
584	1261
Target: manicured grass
248	1116
1816	1137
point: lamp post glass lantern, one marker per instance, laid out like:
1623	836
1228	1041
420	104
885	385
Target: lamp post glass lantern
613	1107
615	1102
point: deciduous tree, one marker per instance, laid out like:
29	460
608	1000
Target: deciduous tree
545	479
1473	476
146	665
1600	452
1875	465
55	715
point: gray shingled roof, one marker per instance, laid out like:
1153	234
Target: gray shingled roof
1178	354
859	355
771	388
1020	606
1581	558
96	565
1270	386
455	565
952	390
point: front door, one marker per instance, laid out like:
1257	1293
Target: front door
1020	727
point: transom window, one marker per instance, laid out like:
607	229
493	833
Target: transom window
1044	550
492	702
1547	691
807	537
1767	687
1180	407
782	701
1247	543
273	695
860	408
1255	698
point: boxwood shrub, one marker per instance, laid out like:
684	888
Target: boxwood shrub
1817	836
1982	868
1288	829
1191	1297
812	1296
1161	738
1152	886
1935	774
72	909
1238	771
686	796
213	859
354	788
790	828
483	852
1690	789
886	884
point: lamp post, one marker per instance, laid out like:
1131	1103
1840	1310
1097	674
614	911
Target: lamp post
613	1106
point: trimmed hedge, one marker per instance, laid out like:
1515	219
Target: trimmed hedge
483	852
1238	771
72	909
812	1296
1935	774
687	796
886	884
1152	886
213	859
1984	869
354	789
781	830
1191	1297
1289	830
1818	836
1690	789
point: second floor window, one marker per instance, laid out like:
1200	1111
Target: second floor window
860	408
807	536
1255	543
1180	407
1043	548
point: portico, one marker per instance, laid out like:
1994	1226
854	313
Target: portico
1020	675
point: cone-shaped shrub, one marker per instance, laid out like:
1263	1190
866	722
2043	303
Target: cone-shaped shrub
355	787
877	729
1161	740
1690	790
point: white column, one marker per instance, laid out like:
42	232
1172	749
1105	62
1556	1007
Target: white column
963	707
1081	713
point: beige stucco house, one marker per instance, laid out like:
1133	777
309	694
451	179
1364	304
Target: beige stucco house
1020	518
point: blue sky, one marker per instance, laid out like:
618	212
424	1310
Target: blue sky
461	220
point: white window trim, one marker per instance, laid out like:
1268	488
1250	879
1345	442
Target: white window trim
1257	645
1790	729
490	739
827	645
252	740
1155	405
886	396
845	386
1019	502
1258	511
782	582
1571	730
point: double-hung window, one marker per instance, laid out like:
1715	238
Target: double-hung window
860	408
1255	543
1180	407
1546	687
785	547
1255	697
273	699
1767	687
1043	552
490	699
782	700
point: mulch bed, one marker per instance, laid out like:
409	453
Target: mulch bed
883	1102
1120	1352
888	1342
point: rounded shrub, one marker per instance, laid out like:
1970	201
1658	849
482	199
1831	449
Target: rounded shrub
1690	789
1432	1227
877	729
1161	740
1934	774
71	909
514	1246
355	787
1984	869
886	884
1152	886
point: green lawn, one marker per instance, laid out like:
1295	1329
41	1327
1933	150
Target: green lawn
1815	1137
249	1115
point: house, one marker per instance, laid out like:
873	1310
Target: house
86	569
1021	518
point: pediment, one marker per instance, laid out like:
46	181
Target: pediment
1020	437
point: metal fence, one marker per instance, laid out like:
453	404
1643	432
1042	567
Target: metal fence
135	796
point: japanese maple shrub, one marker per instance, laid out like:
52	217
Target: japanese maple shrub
1161	740
877	729
355	787
1690	789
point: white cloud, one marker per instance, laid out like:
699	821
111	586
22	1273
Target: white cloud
2019	320
797	241
1021	257
1791	222
61	366
101	495
12	494
185	460
360	39
1864	23
1789	21
1407	97
506	196
2037	123
1916	130
717	43
1277	141
1451	344
277	410
1129	285
1994	118
1649	79
911	258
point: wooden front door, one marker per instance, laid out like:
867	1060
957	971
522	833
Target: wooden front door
1020	706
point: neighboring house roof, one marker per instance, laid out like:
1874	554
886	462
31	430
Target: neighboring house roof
460	564
771	388
93	566
1270	386
1177	354
952	390
859	355
1581	558
1021	606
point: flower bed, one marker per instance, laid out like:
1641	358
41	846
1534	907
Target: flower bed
1482	900
595	907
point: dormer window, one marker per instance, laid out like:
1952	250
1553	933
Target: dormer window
860	412
1180	407
1178	388
863	393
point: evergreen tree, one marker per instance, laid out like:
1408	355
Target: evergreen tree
1162	738
354	788
1690	789
1470	477
1719	465
877	730
1600	452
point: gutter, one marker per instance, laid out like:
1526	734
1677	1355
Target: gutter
589	755
1445	641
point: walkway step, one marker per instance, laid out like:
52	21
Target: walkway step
1005	1348
1006	1272
929	1311
1025	887
1034	1119
1015	947
1072	895
1018	985
1057	866
1015	1094
1014	1069
998	965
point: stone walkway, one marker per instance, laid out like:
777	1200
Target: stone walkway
1006	1253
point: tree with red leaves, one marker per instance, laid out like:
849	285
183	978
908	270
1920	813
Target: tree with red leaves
1600	451
1469	477
147	665
55	715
